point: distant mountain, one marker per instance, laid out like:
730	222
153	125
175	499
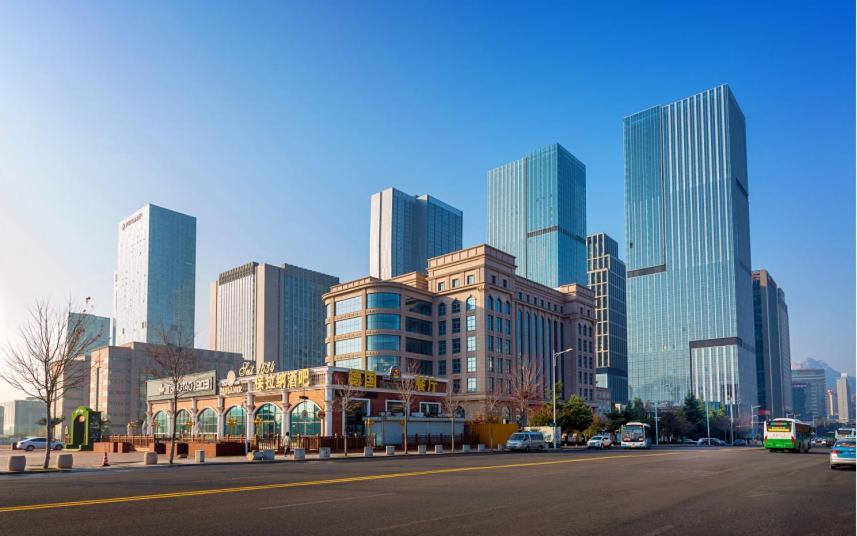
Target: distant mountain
830	374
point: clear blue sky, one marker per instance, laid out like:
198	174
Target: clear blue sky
272	123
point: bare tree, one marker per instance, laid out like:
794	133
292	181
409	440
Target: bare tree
525	388
490	404
43	364
174	360
346	402
407	389
451	404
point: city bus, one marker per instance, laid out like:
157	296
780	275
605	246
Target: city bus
787	434
636	435
842	433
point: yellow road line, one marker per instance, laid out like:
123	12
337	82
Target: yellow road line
305	483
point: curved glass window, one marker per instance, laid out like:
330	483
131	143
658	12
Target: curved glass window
348	326
383	321
348	306
160	424
207	422
415	325
356	362
383	300
183	422
348	346
418	346
441	309
414	305
268	419
234	421
383	363
305	419
470	304
383	342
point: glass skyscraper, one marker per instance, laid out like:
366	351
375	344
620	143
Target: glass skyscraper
405	231
607	281
153	287
773	361
690	291
537	212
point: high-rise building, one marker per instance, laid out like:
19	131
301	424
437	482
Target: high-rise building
773	364
537	213
405	231
843	399
94	327
472	320
270	313
21	417
690	294
808	394
153	288
607	280
831	403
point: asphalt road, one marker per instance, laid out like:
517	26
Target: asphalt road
644	493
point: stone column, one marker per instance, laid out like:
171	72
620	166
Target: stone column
285	423
248	409
221	418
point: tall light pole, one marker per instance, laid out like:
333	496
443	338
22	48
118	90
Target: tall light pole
553	388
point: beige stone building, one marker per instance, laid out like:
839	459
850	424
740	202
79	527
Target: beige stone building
470	320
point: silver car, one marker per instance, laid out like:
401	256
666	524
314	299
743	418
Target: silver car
526	441
33	443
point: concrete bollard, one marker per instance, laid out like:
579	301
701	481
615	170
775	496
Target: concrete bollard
481	448
16	464
150	458
199	456
391	450
438	449
300	454
465	448
421	449
64	461
324	453
501	447
268	455
368	452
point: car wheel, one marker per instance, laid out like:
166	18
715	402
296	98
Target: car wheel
30	448
58	447
833	467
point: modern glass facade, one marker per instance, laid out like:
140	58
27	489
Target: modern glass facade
607	280
690	295
154	285
773	364
537	212
405	231
94	327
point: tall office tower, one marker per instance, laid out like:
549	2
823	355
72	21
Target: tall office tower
406	231
153	287
94	327
270	313
537	212
607	280
831	401
843	399
690	294
773	364
808	392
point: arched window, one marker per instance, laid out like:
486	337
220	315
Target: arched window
207	422
456	306
268	419
499	305
235	421
470	304
183	422
490	303
305	419
508	308
160	424
441	309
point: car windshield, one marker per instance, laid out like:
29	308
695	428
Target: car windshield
518	437
845	444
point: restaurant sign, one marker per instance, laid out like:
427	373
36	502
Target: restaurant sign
264	378
200	384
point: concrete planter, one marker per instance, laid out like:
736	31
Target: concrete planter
199	456
16	464
300	454
64	461
368	452
481	448
438	449
150	458
421	449
465	448
391	450
324	453
268	455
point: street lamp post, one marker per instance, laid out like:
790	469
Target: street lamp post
553	388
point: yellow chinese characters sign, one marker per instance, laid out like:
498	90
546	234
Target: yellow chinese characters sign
362	378
425	383
282	380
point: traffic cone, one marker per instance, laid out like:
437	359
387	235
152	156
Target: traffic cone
104	462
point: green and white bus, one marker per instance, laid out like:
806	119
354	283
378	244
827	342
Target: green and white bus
787	434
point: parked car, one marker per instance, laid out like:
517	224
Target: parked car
526	441
599	442
842	453
710	441
33	443
739	443
688	441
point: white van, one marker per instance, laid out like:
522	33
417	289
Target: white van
526	441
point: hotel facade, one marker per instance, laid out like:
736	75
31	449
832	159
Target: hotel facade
470	320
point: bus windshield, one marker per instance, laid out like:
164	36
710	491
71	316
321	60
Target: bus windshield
632	432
